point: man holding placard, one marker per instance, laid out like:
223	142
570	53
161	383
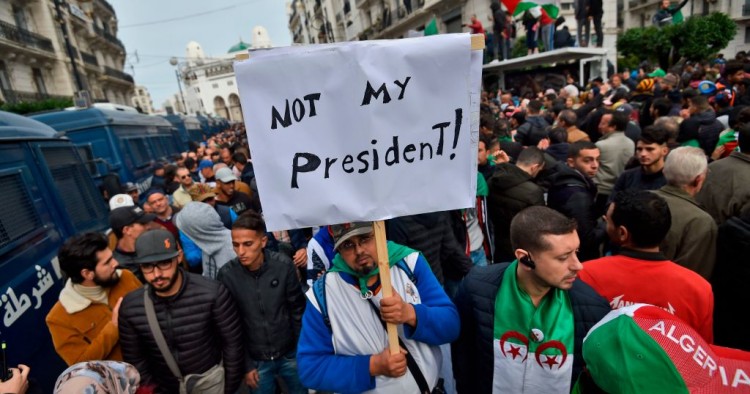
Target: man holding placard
343	346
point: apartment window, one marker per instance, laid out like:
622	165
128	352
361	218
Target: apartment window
39	81
215	86
565	6
20	17
230	83
747	40
4	77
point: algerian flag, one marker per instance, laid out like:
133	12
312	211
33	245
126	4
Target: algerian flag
431	28
518	7
645	349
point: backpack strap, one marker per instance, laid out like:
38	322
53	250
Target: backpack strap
319	291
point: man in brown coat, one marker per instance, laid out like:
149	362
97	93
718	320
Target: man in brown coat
83	322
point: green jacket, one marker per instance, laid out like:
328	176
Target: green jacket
691	241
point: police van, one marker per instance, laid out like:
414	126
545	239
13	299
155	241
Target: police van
48	196
122	142
188	128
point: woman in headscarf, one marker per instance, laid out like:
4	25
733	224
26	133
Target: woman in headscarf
100	377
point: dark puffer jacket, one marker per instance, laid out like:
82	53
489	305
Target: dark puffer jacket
473	352
573	195
271	302
200	324
511	191
704	127
432	234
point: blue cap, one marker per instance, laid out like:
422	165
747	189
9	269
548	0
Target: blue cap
205	164
706	87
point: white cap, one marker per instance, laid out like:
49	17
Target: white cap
120	200
225	175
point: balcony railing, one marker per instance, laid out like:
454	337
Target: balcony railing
219	70
108	36
17	96
89	59
118	74
24	37
106	5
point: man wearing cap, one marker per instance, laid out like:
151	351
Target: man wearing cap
206	172
159	203
127	224
227	195
197	317
638	221
131	189
181	196
523	323
271	302
343	345
83	322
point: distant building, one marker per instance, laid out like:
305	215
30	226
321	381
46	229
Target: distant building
209	83
142	100
35	63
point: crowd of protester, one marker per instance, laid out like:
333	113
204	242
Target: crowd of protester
626	190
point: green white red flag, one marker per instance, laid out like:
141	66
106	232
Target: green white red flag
518	7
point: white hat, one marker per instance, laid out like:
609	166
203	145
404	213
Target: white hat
120	200
225	175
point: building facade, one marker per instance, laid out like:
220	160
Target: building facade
38	62
210	86
142	100
321	21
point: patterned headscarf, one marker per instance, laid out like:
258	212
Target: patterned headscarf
98	377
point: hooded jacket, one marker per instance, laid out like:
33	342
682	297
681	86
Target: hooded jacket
704	127
511	191
201	223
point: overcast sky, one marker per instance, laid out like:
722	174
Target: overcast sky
216	25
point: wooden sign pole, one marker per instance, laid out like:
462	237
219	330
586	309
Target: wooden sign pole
477	44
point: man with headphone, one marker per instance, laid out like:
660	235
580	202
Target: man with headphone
523	323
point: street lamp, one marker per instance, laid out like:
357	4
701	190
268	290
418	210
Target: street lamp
173	61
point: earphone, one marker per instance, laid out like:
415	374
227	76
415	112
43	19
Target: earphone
527	261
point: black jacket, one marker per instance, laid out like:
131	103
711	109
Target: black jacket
636	179
533	130
473	352
498	19
704	127
271	304
200	324
432	234
511	191
573	195
729	281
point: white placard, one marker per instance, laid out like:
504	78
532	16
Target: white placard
361	131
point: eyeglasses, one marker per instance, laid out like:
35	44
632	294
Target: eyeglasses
162	265
350	245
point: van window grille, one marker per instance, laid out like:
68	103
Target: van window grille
139	151
79	195
158	148
17	214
